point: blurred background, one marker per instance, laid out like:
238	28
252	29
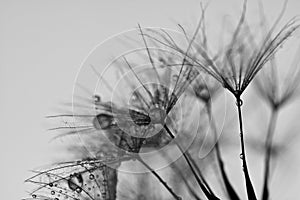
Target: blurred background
43	43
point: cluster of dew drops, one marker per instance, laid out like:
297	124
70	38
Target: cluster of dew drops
86	185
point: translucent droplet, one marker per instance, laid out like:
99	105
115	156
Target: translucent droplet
239	102
75	181
91	176
97	98
53	192
51	184
241	156
78	189
34	196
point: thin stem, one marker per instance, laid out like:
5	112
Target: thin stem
230	190
179	172
188	159
268	149
159	178
249	186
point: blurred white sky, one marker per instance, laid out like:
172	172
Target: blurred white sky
42	44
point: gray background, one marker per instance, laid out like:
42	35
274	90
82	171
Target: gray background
42	44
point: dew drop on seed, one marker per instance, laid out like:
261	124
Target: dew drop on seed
75	181
91	176
241	156
97	98
78	190
239	102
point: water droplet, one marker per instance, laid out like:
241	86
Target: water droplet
78	189
239	102
56	199
51	184
97	98
91	176
241	156
75	181
53	192
34	196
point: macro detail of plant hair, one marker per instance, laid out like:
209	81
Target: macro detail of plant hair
172	114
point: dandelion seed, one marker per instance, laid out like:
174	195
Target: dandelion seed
275	91
75	185
242	59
